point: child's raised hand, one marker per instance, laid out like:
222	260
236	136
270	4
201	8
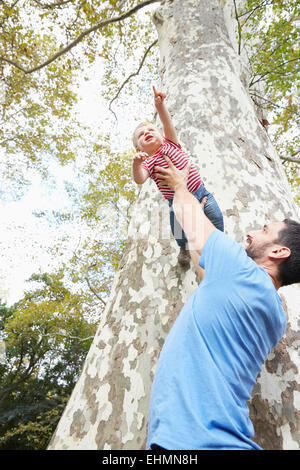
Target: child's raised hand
159	96
139	157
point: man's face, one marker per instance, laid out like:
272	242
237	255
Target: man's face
148	138
259	243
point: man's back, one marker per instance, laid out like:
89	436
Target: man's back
215	350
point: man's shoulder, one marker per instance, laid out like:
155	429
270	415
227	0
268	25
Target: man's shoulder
217	237
222	253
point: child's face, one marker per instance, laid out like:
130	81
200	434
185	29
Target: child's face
148	138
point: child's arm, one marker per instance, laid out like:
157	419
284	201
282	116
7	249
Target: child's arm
164	115
139	173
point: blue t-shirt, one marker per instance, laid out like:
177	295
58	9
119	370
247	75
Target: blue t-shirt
214	352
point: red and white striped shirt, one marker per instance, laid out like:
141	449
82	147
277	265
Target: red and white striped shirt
179	159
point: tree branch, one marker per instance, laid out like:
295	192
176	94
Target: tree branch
48	335
81	36
264	3
93	290
239	28
72	25
237	16
251	11
132	75
268	101
291	159
270	71
278	46
52	5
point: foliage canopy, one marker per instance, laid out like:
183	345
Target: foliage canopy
47	335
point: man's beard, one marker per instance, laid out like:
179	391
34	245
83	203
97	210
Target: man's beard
257	252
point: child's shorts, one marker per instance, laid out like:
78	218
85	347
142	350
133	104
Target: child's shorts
211	210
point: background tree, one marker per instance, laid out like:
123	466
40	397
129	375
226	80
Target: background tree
274	64
47	335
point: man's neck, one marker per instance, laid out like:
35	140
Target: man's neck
273	275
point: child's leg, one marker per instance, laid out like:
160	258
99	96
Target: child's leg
211	208
213	212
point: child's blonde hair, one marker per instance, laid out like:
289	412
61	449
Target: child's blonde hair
134	138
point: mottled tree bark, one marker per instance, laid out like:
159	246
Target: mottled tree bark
206	83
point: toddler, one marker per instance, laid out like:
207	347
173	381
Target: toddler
151	145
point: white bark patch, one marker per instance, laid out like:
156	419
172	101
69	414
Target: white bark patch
290	443
273	385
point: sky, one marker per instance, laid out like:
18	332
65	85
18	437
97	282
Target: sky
24	238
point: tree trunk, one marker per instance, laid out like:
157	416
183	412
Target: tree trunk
206	84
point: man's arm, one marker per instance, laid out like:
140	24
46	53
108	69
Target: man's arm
139	174
165	116
195	259
188	211
192	219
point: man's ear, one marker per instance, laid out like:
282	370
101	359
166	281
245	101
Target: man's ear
280	253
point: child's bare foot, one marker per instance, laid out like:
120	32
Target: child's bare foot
184	256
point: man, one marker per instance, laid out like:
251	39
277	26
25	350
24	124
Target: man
215	349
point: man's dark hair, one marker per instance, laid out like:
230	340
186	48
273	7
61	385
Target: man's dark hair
289	236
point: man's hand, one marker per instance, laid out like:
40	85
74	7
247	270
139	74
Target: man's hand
171	176
159	97
139	157
203	202
188	211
